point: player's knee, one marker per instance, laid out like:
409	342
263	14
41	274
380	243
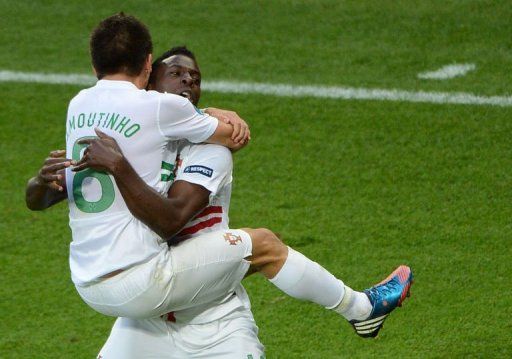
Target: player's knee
268	246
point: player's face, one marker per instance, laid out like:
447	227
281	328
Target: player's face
179	75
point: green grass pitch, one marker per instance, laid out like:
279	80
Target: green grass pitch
359	186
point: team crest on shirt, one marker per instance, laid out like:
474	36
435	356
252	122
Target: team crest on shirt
232	239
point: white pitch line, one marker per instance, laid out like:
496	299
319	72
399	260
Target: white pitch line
351	93
58	79
332	92
447	72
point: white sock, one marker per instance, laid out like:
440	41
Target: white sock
302	278
354	305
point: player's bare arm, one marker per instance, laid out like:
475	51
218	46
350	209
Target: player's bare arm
165	216
241	131
224	134
48	187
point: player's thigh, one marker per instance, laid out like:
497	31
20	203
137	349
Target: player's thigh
139	338
208	267
234	336
243	343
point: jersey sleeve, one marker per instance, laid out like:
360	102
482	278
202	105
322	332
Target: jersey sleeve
179	119
207	165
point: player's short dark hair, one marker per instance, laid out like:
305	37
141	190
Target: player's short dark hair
120	43
177	50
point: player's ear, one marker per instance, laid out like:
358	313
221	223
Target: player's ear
147	70
149	61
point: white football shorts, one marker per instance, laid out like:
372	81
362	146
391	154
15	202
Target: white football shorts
233	336
196	271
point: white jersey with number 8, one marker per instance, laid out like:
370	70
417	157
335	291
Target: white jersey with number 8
106	236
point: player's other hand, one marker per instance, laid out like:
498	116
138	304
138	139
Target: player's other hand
241	132
102	154
51	174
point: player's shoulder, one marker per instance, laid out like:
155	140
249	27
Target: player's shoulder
174	105
150	95
208	150
213	158
169	98
81	96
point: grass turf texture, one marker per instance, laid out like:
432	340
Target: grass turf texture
358	186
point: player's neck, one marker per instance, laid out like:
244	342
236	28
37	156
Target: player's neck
139	81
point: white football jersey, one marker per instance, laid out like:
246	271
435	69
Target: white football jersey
210	166
106	236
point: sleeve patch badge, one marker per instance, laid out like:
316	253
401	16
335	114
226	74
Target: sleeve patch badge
205	171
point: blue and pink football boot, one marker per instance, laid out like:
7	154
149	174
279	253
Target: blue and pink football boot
384	297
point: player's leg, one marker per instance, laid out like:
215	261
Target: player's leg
233	336
193	272
302	278
140	338
207	267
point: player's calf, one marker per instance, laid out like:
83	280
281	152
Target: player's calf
302	278
292	272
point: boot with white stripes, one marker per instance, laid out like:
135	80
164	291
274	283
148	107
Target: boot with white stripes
384	298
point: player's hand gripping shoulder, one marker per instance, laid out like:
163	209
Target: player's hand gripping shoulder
241	134
48	187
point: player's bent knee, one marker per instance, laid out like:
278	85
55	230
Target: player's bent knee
264	240
267	247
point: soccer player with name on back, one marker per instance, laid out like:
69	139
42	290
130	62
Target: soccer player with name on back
224	327
151	288
198	331
286	268
202	183
108	241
